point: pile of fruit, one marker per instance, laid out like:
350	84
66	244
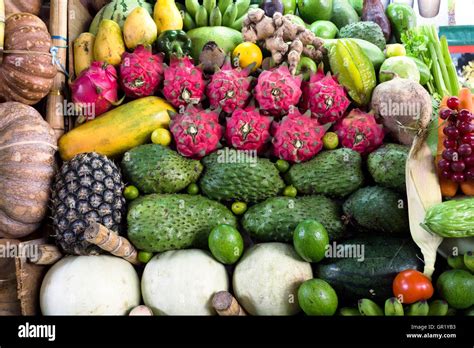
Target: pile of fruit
269	137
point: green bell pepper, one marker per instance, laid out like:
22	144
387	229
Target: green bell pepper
402	17
174	42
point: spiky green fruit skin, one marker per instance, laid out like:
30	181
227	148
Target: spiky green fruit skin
387	166
378	209
276	218
161	222
155	168
334	173
235	175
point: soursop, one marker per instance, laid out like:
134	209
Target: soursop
334	173
161	222
275	219
237	175
368	31
387	165
154	168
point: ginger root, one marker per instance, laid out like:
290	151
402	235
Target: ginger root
285	40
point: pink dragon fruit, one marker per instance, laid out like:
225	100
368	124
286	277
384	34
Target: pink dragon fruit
360	132
325	97
229	88
297	138
184	83
277	90
247	129
95	90
196	132
141	72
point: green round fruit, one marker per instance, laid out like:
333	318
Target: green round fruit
310	240
469	260
330	141
395	50
144	256
317	297
130	193
402	67
314	10
306	67
456	286
193	189
226	244
282	166
238	208
289	7
324	29
290	191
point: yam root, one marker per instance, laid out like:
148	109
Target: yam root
285	40
226	305
110	241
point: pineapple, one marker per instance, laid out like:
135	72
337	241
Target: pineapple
86	189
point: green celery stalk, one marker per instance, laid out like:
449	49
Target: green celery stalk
433	35
437	74
453	75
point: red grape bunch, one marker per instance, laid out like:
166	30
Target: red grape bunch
457	163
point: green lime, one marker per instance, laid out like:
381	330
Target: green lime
289	7
144	256
282	165
456	262
238	208
330	141
306	67
469	260
313	10
317	297
290	191
226	244
395	50
161	136
324	29
193	189
130	193
310	240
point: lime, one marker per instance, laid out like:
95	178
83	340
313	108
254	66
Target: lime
317	297
469	260
324	29
310	240
161	136
238	208
290	191
395	50
330	141
226	244
144	256
282	165
193	189
456	262
130	193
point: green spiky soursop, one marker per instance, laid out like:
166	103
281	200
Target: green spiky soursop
154	168
378	209
161	222
275	219
236	175
334	173
387	165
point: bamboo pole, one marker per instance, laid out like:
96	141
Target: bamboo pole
110	241
226	305
47	255
58	29
2	28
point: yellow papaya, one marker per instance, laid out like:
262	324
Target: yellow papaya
139	29
167	16
83	52
109	45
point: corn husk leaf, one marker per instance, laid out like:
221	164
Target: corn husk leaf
423	191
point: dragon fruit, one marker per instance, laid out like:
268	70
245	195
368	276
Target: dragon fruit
360	132
297	138
325	97
141	72
229	88
196	132
277	90
95	90
184	83
247	129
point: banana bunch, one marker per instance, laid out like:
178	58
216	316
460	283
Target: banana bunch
213	13
393	307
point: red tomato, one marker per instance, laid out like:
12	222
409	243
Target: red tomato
410	286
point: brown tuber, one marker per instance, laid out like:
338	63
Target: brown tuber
284	39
